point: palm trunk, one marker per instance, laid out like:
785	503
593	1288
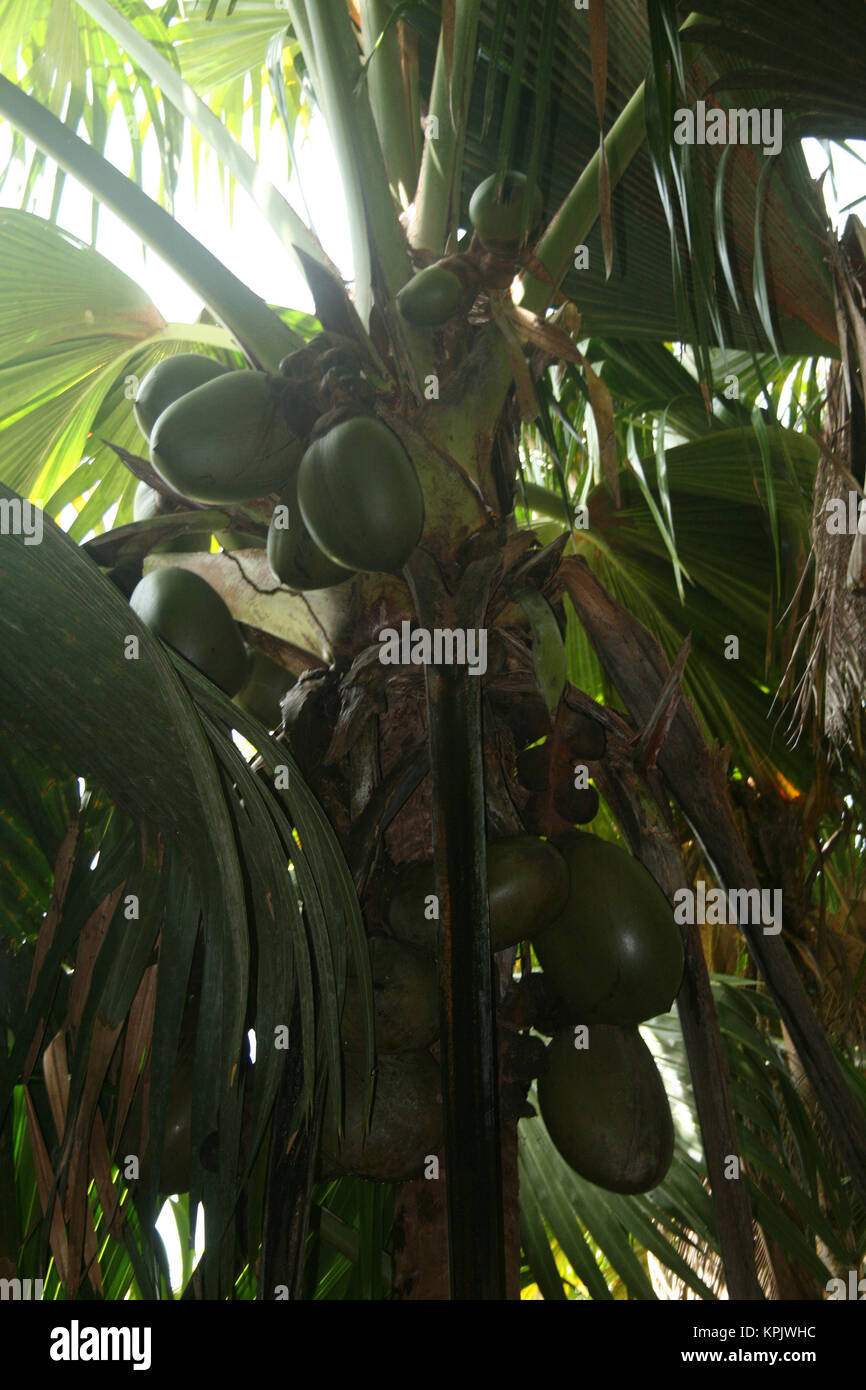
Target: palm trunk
468	1033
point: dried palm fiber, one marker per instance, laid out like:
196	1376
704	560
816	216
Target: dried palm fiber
707	1265
853	1234
842	965
831	687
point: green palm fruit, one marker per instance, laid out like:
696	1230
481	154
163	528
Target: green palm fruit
586	738
360	497
166	382
405	1123
405	999
577	805
147	504
183	609
615	953
605	1108
527	887
226	441
265	686
498	219
431	297
293	555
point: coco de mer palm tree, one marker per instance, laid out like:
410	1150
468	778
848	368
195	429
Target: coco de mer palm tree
380	462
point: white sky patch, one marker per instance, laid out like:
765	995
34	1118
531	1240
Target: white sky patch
248	749
248	246
850	178
166	1225
167	1228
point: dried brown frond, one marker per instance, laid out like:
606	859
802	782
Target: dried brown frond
829	696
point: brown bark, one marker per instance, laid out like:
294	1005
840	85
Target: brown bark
421	1215
420	1227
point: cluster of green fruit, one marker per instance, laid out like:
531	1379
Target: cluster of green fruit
354	503
348	501
447	288
615	958
607	941
406	1117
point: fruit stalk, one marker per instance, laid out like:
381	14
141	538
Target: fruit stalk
473	1166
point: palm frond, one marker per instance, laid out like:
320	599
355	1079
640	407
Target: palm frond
221	830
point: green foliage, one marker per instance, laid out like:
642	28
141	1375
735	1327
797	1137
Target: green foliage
223	852
709	539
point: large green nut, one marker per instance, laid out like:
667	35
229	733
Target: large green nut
360	497
413	911
147	505
166	382
294	557
500	218
431	297
614	954
226	441
405	1123
527	887
579	805
183	609
605	1108
405	999
264	688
